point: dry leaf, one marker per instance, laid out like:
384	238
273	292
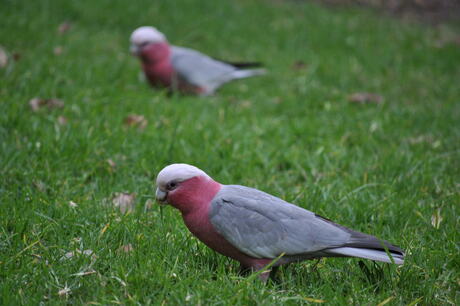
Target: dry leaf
136	120
111	163
37	103
84	273
148	205
299	65
62	120
124	201
71	254
72	204
57	50
436	218
126	248
64	291
312	300
365	98
3	58
64	27
16	56
40	186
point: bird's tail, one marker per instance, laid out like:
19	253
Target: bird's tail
241	74
245	64
373	254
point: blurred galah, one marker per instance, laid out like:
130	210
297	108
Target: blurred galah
183	69
255	228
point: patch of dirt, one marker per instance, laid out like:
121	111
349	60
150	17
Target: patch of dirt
429	11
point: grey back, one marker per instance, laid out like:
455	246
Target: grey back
264	226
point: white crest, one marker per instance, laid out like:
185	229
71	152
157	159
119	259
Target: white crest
146	35
178	172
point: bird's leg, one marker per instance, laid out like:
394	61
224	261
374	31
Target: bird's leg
244	270
264	276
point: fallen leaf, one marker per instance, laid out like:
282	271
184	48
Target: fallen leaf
436	218
64	291
126	248
84	273
62	120
111	163
57	50
135	120
72	204
312	300
37	103
148	205
3	57
40	186
16	56
124	201
365	98
64	27
72	254
299	65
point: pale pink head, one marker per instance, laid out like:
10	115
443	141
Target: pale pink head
149	44
185	187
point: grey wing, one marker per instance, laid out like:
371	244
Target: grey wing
264	226
199	69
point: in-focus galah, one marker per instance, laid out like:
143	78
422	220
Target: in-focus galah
183	69
255	228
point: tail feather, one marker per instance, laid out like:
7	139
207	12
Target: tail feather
373	254
245	64
241	74
241	64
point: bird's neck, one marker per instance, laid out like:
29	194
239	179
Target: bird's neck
195	196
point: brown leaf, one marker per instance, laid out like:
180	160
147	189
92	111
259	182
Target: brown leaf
299	65
365	97
16	56
124	201
37	103
312	300
57	50
64	292
3	57
84	273
134	120
126	248
111	163
148	205
62	120
64	27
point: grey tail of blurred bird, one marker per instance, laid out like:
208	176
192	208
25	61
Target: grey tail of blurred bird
245	64
241	74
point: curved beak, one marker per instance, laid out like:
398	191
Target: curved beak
161	195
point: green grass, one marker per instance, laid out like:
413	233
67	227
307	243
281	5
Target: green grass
382	169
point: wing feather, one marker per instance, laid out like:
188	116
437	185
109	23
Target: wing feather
264	226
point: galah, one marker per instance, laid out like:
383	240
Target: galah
255	228
183	69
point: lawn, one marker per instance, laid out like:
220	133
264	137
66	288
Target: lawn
391	169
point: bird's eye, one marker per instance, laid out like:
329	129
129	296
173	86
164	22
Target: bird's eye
145	43
171	185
